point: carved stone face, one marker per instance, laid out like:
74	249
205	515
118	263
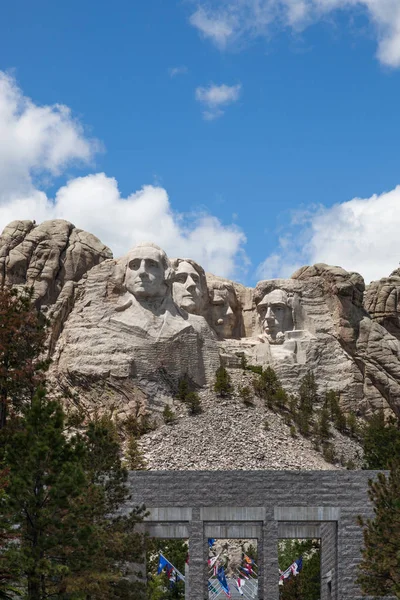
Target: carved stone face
223	306
275	314
145	273
186	289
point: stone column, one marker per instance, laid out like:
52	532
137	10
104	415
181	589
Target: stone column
270	561
328	561
197	581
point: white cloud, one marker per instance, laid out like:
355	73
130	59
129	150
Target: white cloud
226	21
36	139
45	140
175	71
215	96
360	235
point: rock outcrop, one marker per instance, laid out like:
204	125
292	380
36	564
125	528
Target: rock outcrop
125	332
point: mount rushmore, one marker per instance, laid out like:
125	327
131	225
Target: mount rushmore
125	331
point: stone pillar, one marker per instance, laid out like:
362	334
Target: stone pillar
197	559
329	561
270	561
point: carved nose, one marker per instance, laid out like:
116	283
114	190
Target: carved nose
269	313
190	284
229	311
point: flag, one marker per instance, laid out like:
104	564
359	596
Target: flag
294	569
172	573
211	542
249	560
240	584
243	573
213	563
222	579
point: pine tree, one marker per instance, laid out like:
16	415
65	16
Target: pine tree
308	393
380	441
222	386
63	492
380	565
22	340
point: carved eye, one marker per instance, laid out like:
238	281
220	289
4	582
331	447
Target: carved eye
134	264
151	263
195	277
180	277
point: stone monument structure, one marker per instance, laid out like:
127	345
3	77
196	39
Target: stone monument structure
262	505
131	328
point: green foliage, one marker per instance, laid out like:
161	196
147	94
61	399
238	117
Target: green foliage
193	402
293	431
380	566
222	386
306	585
184	388
61	494
255	369
134	457
308	396
338	418
328	452
137	426
268	387
323	431
168	415
22	344
380	441
246	395
176	552
352	425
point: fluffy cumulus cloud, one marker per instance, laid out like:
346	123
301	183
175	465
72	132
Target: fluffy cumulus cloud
214	97
226	21
37	143
360	235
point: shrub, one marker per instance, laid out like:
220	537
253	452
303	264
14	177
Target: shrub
328	452
134	457
194	403
222	384
168	415
293	431
246	395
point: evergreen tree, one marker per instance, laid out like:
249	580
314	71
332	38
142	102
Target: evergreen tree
22	339
322	427
308	393
61	496
380	441
380	565
306	585
176	551
222	386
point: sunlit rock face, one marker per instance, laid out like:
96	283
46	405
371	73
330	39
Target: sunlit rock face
124	332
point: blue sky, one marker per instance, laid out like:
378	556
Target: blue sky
252	131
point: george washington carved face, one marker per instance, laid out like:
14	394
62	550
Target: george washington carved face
146	272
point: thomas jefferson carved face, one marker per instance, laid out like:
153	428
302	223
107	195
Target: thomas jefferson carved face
187	289
275	314
145	273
